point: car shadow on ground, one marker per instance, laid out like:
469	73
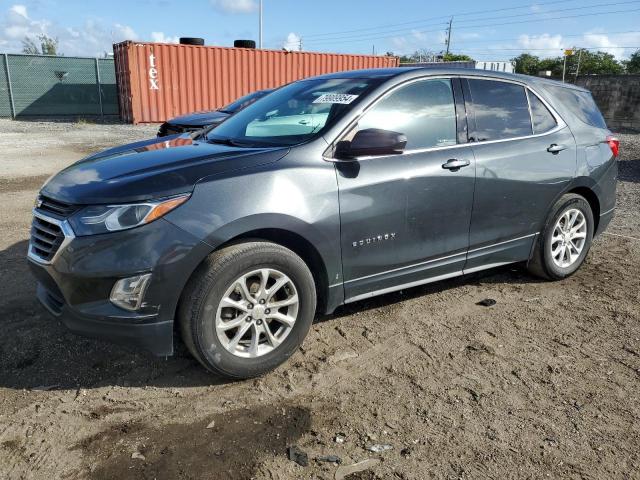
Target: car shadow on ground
37	352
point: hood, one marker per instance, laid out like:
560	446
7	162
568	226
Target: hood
151	169
199	119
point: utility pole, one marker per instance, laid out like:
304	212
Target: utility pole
448	42
578	68
260	28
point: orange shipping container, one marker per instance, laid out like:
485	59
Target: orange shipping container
158	81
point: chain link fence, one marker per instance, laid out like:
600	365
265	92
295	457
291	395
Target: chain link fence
48	86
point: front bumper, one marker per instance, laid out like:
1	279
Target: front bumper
75	286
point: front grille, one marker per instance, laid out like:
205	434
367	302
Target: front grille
46	238
58	208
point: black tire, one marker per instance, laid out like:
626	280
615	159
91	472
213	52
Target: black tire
206	288
541	263
191	41
244	43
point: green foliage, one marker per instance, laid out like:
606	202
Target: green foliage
590	63
424	55
456	57
48	45
633	64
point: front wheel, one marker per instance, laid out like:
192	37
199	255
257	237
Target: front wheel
247	308
565	241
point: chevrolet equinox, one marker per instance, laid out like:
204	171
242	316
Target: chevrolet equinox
329	190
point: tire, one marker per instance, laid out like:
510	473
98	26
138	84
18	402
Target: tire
191	41
201	309
542	263
244	43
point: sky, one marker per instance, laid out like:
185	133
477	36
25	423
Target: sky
487	30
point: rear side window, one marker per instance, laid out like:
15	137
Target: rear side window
424	111
541	117
501	110
581	105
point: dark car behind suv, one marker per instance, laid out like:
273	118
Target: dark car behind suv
198	120
329	190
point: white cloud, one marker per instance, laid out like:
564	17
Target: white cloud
292	42
235	6
160	37
545	41
547	45
90	39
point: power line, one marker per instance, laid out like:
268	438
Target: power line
538	36
555	2
539	49
369	38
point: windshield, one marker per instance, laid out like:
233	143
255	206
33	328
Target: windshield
293	114
244	102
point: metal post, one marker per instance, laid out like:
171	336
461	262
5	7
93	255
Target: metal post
99	89
260	30
578	69
13	106
564	66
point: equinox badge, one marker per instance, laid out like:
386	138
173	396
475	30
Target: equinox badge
376	239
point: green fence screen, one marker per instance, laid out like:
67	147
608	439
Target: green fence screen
47	86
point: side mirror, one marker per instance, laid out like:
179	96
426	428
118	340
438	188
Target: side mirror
371	141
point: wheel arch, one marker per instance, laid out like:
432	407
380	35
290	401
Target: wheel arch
587	188
299	245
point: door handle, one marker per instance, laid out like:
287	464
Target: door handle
454	164
555	148
303	122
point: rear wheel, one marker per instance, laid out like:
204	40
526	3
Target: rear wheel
247	308
565	241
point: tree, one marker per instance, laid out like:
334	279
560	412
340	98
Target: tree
456	57
591	63
594	63
48	45
29	46
633	64
527	64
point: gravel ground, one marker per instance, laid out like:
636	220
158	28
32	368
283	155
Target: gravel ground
543	384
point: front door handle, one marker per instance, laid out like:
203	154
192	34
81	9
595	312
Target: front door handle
303	122
454	164
555	148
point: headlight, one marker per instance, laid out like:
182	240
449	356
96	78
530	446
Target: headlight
111	218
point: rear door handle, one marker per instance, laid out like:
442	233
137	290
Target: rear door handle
454	164
555	148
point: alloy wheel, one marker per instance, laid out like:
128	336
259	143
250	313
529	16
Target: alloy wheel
568	238
257	313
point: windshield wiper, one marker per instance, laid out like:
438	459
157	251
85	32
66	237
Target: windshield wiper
227	141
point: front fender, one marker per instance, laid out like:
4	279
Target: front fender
296	197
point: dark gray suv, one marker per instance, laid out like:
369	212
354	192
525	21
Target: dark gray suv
327	191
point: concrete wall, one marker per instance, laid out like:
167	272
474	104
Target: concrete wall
617	96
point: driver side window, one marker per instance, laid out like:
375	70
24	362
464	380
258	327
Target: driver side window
424	111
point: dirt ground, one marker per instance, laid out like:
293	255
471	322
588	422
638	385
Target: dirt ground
546	383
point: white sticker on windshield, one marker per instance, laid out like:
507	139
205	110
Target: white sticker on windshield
343	98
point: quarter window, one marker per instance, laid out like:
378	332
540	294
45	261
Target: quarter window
581	104
501	110
424	111
542	118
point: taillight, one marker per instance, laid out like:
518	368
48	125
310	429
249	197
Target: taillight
614	144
